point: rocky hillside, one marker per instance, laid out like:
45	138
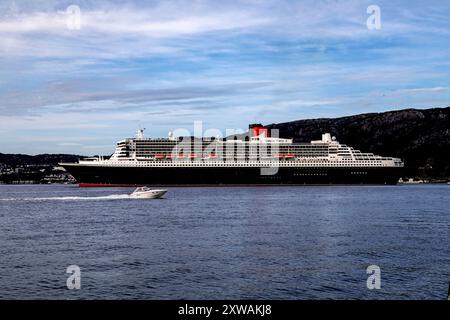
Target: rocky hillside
15	160
420	137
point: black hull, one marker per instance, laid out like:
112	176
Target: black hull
103	176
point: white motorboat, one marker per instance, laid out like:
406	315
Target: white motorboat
147	193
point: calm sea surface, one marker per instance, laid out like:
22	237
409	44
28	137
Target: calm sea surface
225	243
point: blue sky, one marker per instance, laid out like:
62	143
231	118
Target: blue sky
165	64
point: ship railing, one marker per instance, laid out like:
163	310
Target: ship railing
254	163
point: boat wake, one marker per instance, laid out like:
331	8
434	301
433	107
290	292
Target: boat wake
109	197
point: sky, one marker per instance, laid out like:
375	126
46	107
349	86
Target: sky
77	76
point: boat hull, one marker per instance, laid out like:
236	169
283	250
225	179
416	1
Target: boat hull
88	175
148	195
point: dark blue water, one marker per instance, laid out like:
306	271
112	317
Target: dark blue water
226	243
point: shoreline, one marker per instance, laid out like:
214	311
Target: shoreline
220	185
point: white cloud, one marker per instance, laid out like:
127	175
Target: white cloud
424	90
117	31
136	21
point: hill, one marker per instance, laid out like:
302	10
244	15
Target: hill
15	160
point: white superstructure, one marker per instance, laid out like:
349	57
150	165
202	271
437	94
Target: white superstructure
255	150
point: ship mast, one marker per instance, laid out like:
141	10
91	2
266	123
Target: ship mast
140	134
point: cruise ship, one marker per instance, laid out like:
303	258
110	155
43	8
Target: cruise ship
254	158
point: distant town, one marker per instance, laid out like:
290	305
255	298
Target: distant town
34	174
40	169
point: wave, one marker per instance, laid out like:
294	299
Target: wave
109	197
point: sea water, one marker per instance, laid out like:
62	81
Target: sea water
312	242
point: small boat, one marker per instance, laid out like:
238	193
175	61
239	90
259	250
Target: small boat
147	193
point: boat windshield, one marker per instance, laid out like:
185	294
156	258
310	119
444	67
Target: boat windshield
142	189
